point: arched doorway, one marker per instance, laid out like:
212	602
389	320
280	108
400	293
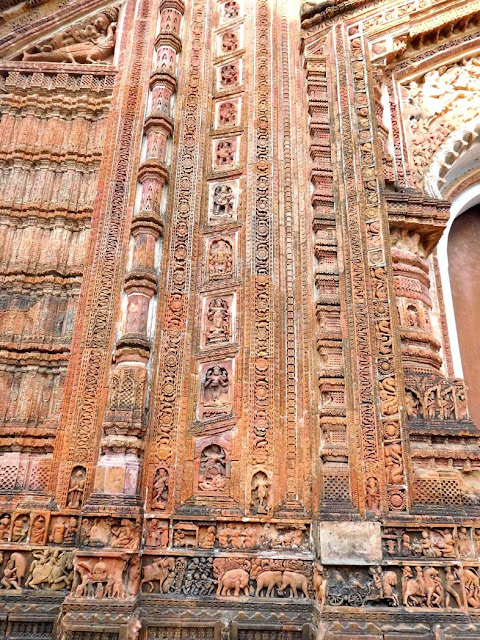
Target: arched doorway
464	274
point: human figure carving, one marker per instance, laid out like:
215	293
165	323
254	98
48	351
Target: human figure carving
220	259
260	492
223	198
14	571
216	389
95	44
218	316
213	469
160	488
76	488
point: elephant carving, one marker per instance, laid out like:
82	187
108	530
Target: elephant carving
268	580
236	579
295	582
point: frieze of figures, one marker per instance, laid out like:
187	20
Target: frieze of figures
445	542
227	535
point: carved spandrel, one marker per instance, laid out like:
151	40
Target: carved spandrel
86	42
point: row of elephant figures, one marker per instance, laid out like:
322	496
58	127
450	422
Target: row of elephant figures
450	586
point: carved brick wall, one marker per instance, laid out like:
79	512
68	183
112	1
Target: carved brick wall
227	408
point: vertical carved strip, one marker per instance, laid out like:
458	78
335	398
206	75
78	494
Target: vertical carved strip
171	347
334	441
262	328
92	344
373	299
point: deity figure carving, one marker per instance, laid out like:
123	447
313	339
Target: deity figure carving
223	202
160	488
218	322
213	469
229	42
394	463
76	488
38	530
229	74
20	528
260	493
227	113
5	521
225	151
157	533
372	495
14	571
220	259
231	10
216	393
88	42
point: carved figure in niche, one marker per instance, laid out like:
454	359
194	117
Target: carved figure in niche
216	387
157	533
76	488
5	521
185	535
71	532
14	571
372	495
319	584
213	469
412	404
159	570
227	113
20	528
230	41
260	493
225	153
229	74
220	259
57	531
160	489
125	536
394	463
218	317
413	317
463	544
51	569
452	578
207	538
96	47
231	10
38	530
223	201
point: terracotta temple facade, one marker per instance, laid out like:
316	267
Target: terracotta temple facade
239	319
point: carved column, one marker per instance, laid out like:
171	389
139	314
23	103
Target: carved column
124	425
